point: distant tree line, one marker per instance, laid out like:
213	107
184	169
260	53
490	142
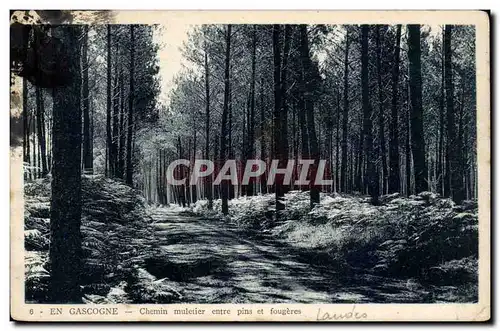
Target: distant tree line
391	107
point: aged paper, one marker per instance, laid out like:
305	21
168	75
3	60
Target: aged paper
145	147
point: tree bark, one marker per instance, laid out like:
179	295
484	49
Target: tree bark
453	185
263	178
381	115
343	170
115	121
440	161
224	130
230	149
371	173
66	205
121	135
309	110
251	122
87	148
40	122
208	179
337	145
407	142
278	116
26	128
130	119
109	138
417	124
394	176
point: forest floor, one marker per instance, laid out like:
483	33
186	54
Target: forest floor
344	250
212	261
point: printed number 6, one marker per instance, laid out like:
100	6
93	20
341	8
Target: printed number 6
31	311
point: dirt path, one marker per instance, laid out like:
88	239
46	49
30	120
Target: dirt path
215	262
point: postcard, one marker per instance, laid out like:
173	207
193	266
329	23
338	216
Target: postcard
314	166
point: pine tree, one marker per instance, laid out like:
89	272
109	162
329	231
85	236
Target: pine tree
66	206
394	176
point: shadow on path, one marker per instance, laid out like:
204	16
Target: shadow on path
215	262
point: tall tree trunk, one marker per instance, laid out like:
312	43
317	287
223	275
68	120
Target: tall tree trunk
36	165
304	139
263	183
216	189
460	187
309	109
224	131
284	144
40	122
453	185
407	142
394	176
359	180
122	135
109	138
115	117
65	210
251	122
208	179
194	190
343	170
130	119
26	128
337	145
371	173
440	165
87	148
417	121
230	150
295	147
278	116
381	115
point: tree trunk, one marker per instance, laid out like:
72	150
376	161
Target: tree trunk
263	178
208	179
109	138
87	148
407	142
284	144
295	147
371	173
40	122
359	180
343	170
66	205
337	145
122	135
309	110
230	150
417	124
278	116
453	185
394	176
26	128
381	115
251	122
130	120
459	181
440	162
224	131
115	117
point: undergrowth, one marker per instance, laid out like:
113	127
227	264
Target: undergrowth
423	236
117	237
